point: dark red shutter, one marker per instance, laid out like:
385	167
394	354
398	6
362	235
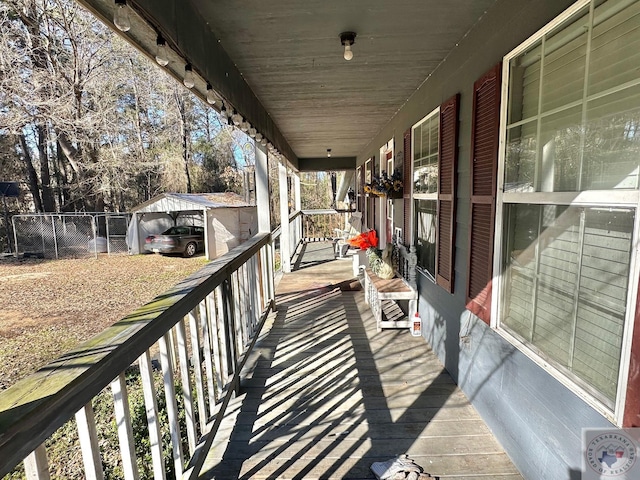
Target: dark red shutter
407	180
447	168
484	166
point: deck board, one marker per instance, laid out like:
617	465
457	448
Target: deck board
327	395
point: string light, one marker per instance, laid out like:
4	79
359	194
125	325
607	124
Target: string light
189	78
161	51
211	98
237	118
121	16
252	132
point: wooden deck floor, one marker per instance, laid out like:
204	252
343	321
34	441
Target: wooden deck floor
328	396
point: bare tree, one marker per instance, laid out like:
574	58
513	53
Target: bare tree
93	123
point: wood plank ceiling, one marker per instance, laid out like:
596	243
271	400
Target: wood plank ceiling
290	55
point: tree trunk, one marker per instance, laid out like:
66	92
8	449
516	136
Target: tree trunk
48	202
34	188
136	112
185	137
64	198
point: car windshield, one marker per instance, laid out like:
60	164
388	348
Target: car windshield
177	231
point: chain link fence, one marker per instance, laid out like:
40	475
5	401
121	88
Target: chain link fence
113	228
56	235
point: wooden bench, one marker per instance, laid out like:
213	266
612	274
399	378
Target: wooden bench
403	286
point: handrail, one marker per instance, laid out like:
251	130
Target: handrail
35	407
320	211
322	224
326	211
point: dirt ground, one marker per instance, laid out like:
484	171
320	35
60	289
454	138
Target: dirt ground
49	306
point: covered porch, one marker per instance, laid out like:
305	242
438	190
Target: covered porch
485	108
308	390
325	395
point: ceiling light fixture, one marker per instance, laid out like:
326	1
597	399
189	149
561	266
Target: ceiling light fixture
328	153
121	16
161	51
347	39
211	97
189	78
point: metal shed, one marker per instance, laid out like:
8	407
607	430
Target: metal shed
227	218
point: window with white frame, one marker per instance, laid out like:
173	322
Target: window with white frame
569	196
425	189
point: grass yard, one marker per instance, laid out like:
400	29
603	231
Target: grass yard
49	306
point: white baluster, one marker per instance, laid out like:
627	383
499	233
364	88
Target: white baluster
151	406
87	433
172	405
187	394
36	465
125	432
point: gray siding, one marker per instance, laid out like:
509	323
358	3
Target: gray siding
537	419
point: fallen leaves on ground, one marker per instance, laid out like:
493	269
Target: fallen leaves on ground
49	306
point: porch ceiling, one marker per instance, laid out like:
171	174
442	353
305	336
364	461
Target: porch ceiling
301	93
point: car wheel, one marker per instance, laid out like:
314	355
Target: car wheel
190	250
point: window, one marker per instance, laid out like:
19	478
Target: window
434	170
369	203
386	204
425	189
426	235
569	197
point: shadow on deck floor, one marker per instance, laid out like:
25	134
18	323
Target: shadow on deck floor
328	396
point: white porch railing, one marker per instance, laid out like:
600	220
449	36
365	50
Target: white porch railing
202	330
322	224
295	230
311	225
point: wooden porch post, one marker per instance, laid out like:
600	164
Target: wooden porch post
285	235
262	189
298	207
